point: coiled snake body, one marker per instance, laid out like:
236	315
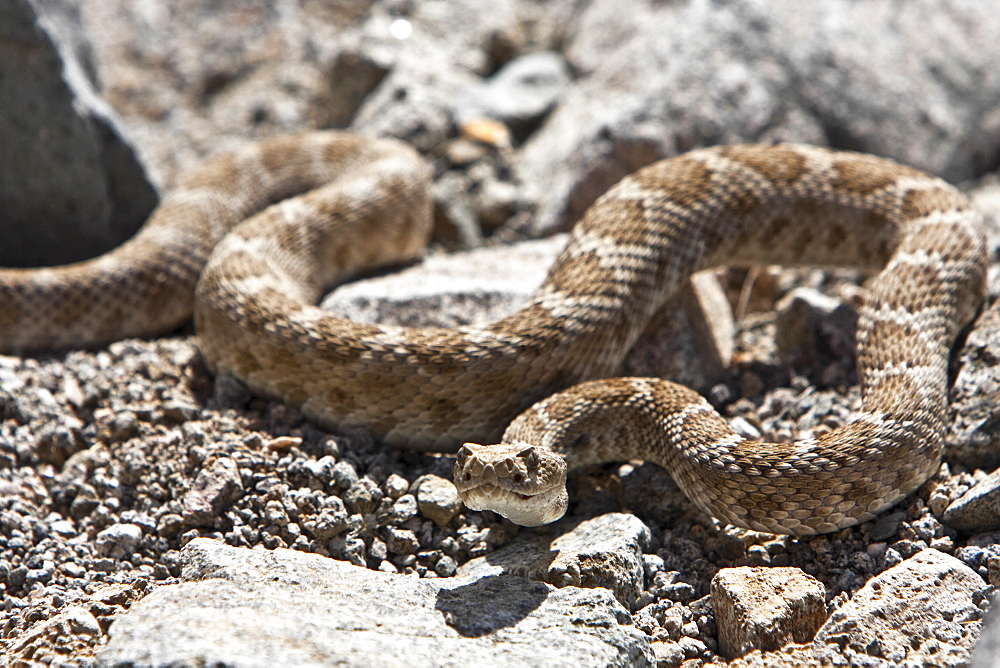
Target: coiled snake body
367	204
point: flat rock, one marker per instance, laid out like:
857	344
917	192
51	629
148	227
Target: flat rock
242	607
605	551
926	610
470	288
64	160
689	341
766	608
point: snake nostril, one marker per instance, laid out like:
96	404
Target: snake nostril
518	479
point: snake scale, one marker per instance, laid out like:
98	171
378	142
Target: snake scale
249	241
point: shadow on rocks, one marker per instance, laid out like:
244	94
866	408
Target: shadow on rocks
490	603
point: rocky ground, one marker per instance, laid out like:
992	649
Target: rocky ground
133	484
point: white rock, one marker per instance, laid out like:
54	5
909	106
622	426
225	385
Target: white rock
266	608
605	551
118	540
925	610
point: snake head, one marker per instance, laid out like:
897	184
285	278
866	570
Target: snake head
524	483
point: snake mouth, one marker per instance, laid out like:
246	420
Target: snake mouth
528	510
488	491
495	491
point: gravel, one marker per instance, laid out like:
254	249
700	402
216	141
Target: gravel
111	461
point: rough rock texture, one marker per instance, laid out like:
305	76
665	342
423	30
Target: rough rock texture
603	552
974	437
71	185
72	630
978	509
684	74
765	608
263	608
927	610
437	498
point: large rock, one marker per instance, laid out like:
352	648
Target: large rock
71	185
605	551
926	610
689	341
861	76
244	607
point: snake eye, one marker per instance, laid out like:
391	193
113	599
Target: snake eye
529	455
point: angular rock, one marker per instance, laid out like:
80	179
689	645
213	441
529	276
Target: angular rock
926	610
765	608
668	653
605	551
711	315
974	437
977	510
354	74
265	608
437	498
800	317
214	488
64	160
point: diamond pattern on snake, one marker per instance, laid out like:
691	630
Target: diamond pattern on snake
247	243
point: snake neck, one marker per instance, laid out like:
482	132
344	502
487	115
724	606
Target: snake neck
627	422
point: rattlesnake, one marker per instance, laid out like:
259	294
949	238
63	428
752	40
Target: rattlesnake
434	388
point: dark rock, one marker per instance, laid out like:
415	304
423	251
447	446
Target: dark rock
71	185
